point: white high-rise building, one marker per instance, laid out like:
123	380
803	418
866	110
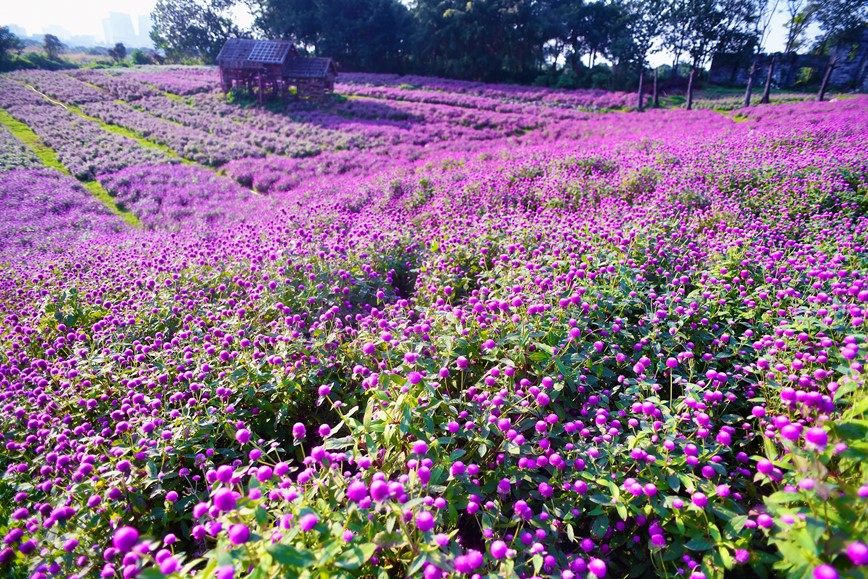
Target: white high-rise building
118	27
145	24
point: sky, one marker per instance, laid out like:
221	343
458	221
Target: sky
84	17
78	17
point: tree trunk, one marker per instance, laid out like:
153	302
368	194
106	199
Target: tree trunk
690	81
656	93
767	90
825	84
749	90
641	80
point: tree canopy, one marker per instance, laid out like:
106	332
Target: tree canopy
563	42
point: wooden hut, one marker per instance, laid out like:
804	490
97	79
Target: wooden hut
272	67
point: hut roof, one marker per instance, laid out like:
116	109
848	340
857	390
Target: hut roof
312	67
255	51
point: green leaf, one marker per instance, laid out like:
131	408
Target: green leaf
357	556
290	556
600	526
339	443
699	543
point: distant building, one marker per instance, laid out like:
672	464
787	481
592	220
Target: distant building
86	40
59	31
145	25
792	70
118	27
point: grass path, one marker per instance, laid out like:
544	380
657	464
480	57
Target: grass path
49	158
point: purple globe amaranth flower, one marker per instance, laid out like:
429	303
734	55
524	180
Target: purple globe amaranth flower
498	550
379	490
858	553
224	499
169	565
825	572
699	499
308	521
239	534
299	431
125	538
504	486
420	447
425	521
816	438
242	436
597	567
225	572
357	491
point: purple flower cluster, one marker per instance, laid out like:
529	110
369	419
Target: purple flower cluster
610	341
44	211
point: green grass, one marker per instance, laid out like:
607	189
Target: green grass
100	193
26	135
49	158
123	131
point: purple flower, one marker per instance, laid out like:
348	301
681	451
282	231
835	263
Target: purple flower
357	491
498	549
308	521
298	431
239	534
816	438
125	538
825	572
224	499
597	567
379	490
425	521
858	553
242	436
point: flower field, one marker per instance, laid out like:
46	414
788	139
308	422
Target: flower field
434	328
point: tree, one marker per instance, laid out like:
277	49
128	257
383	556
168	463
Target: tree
841	22
370	35
587	29
799	17
52	46
645	20
194	29
9	43
119	52
710	26
489	40
763	11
